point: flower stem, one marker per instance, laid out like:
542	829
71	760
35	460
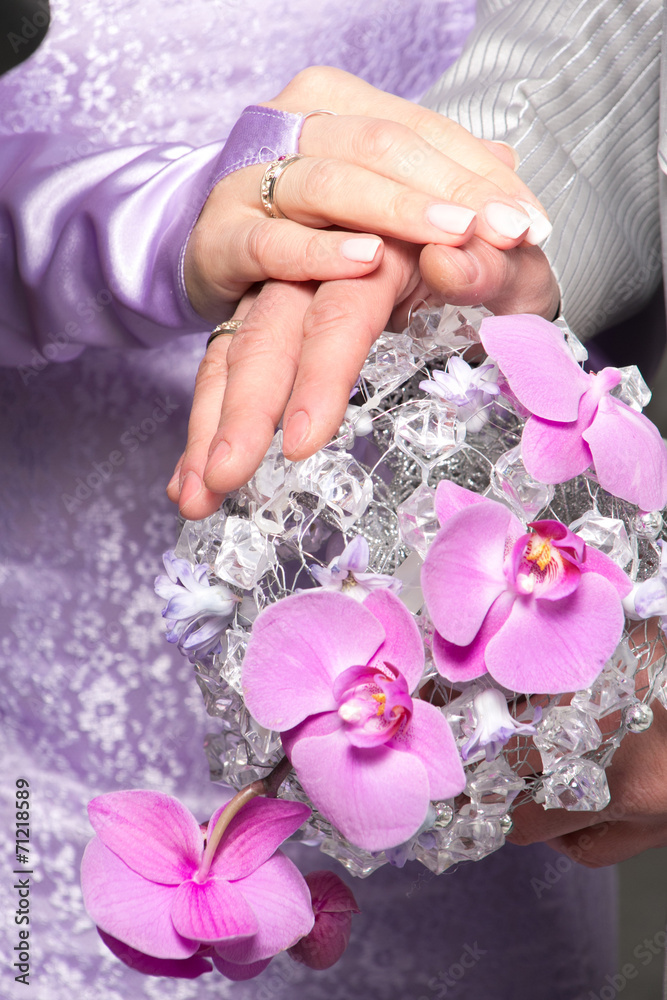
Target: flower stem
263	786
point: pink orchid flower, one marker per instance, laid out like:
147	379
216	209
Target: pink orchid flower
333	906
334	677
540	611
150	883
575	422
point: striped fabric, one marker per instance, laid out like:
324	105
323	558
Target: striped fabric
574	86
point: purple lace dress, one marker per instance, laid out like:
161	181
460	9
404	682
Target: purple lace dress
127	96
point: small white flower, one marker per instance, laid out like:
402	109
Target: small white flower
495	725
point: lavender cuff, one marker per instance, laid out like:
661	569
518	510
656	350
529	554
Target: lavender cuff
259	136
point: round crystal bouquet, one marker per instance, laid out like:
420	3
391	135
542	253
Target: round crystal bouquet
455	607
439	615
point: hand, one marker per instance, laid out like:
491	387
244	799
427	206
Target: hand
384	167
635	819
300	351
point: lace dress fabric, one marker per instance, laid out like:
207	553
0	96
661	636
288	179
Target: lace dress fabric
93	697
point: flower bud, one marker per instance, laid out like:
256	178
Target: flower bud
333	906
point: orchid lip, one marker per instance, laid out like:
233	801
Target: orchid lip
373	703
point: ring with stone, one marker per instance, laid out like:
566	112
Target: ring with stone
267	188
229	327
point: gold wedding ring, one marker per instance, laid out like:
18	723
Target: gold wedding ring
229	327
267	188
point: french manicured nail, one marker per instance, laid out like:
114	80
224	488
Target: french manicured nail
540	225
190	490
361	250
220	454
296	431
174	479
452	219
506	221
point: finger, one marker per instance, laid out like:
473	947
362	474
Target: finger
268	248
174	484
397	153
533	823
519	280
262	362
195	500
339	91
341	324
608	844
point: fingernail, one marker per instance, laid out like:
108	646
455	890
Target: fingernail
468	265
515	156
191	488
174	479
450	218
361	250
506	221
540	225
220	454
296	431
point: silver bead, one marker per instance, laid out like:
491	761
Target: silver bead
506	824
444	814
638	717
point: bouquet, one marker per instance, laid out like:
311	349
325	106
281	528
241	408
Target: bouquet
453	608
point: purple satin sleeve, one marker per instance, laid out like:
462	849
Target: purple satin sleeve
91	250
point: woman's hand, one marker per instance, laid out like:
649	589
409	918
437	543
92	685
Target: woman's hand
383	167
302	346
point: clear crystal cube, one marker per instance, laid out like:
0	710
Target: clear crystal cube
417	521
511	482
648	525
607	534
428	430
578	785
244	556
565	731
338	480
493	786
390	362
632	388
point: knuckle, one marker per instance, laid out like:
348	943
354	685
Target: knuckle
322	177
382	139
312	83
258	244
463	191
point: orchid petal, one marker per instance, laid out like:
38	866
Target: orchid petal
298	647
254	835
451	498
554	453
153	833
534	358
279	896
129	907
402	646
549	647
429	737
377	797
174	968
239	973
355	556
599	562
629	454
212	911
464	663
463	571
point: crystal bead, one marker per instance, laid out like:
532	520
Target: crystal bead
427	430
493	786
198	541
409	573
230	670
264	745
607	534
576	785
431	850
459	325
270	476
357	861
647	525
565	731
473	835
244	556
511	482
638	717
417	521
612	689
657	673
338	480
389	363
577	349
632	388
